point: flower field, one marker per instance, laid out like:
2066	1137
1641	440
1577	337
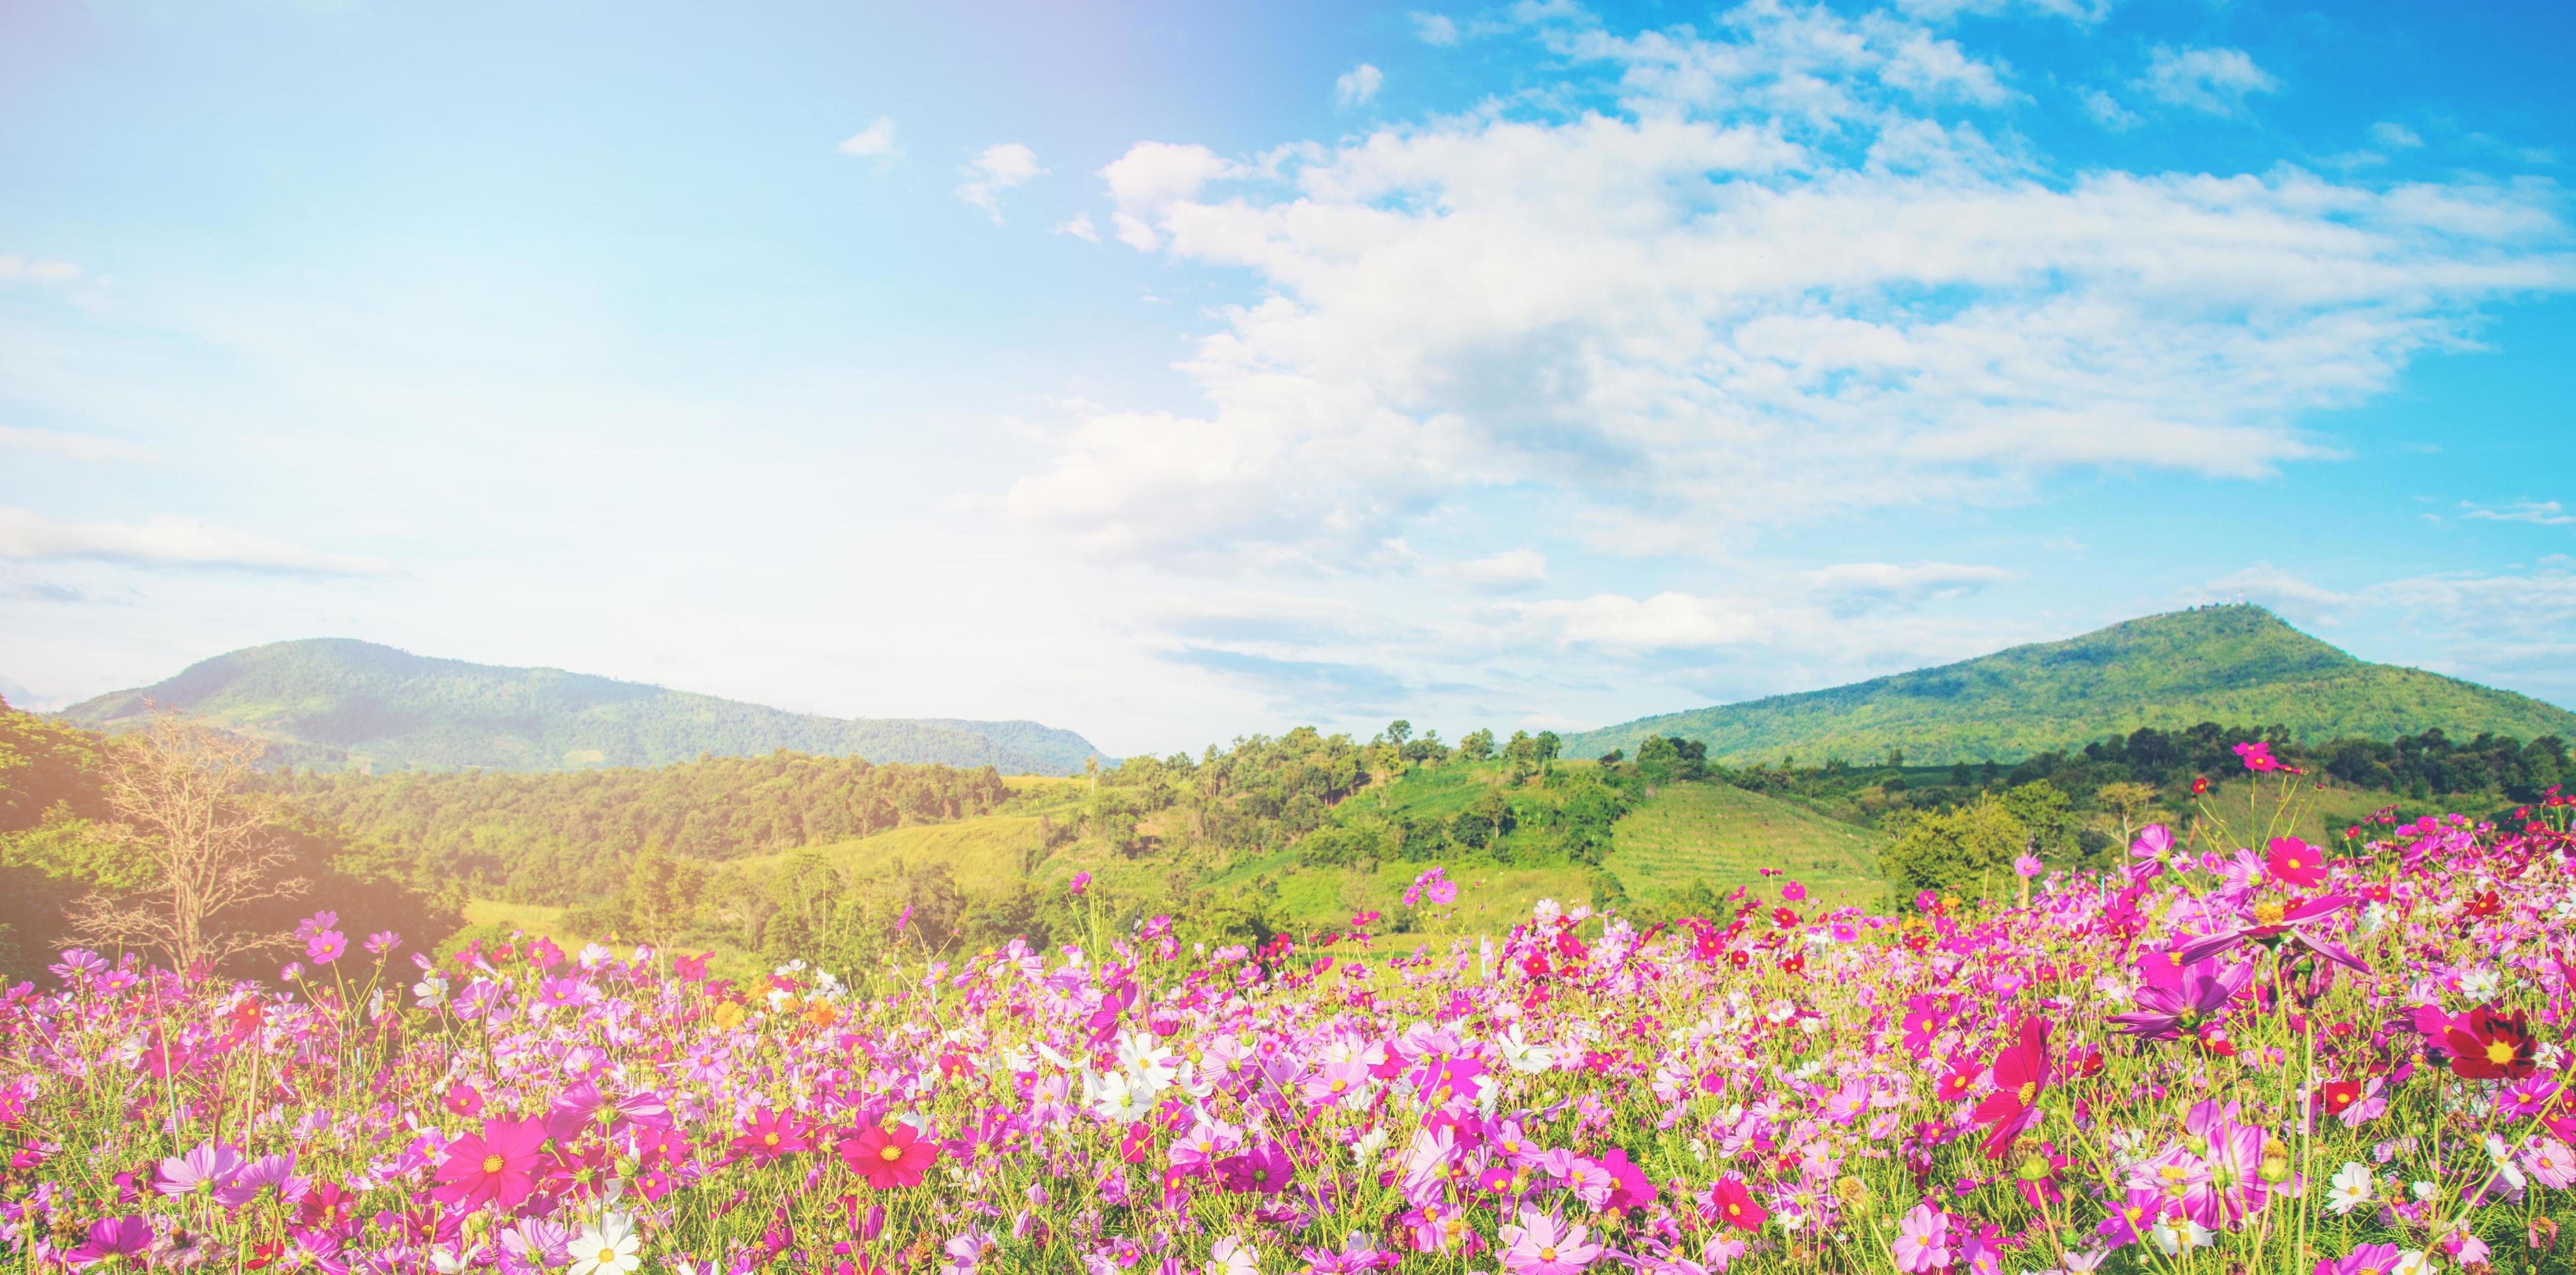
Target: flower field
2233	1052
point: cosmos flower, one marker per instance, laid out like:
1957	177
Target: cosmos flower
496	1167
889	1158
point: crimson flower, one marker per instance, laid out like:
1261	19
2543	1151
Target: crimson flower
1734	1204
2486	1045
498	1167
2021	1074
889	1158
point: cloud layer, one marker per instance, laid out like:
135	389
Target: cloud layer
1790	276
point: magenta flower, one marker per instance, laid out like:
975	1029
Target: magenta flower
325	946
1792	892
497	1168
2171	1004
382	941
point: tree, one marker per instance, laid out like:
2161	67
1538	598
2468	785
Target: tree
1398	731
175	795
2126	801
1476	745
1959	850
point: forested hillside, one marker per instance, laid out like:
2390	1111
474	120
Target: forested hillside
340	704
2219	663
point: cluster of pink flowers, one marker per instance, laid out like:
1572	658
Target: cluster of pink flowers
2204	1058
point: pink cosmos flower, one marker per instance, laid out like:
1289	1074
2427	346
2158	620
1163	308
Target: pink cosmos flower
1922	1241
325	947
1544	1244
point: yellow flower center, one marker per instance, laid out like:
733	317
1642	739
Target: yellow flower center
2270	913
891	1153
1547	1254
2029	1091
2499	1053
769	1139
607	1257
494	1164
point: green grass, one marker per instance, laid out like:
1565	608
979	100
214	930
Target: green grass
1725	835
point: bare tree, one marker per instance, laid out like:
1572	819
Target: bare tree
176	793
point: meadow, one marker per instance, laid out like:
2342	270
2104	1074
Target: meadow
2233	1050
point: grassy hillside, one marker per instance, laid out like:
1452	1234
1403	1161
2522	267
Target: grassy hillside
2235	664
333	703
1722	835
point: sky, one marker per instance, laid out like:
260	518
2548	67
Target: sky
1173	372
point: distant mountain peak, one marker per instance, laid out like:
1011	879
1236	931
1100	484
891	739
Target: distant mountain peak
2235	663
343	702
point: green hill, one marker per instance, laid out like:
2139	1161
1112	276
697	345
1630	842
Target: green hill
335	703
2238	665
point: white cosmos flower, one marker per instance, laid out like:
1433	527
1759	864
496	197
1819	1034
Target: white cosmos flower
1232	1256
2352	1188
610	1248
1521	1056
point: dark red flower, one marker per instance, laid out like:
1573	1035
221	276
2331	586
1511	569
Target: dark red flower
2486	1045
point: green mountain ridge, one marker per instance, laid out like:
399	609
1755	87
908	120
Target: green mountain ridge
2234	664
338	703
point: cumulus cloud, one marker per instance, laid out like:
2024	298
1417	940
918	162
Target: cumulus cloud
1779	285
1357	85
1435	29
876	141
993	170
167	542
2216	81
1081	227
87	448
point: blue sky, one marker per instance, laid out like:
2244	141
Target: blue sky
1172	372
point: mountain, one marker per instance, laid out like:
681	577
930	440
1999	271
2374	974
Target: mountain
2235	665
335	703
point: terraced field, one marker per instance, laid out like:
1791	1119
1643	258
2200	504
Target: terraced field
1725	835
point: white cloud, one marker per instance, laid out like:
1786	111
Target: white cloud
995	169
1153	176
1888	584
2107	111
1080	227
2545	513
1509	570
17	269
2293	597
2082	11
1775	289
1435	29
876	141
167	542
2395	136
2212	80
1357	85
86	448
